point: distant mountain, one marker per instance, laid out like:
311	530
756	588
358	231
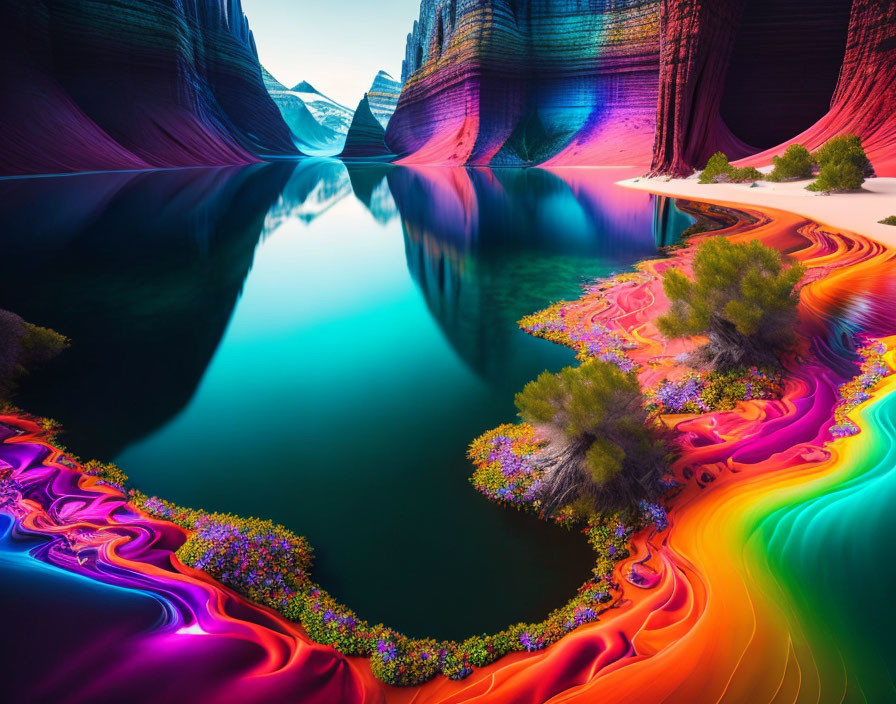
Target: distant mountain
309	135
318	123
326	111
383	97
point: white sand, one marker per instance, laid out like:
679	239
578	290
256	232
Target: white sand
851	212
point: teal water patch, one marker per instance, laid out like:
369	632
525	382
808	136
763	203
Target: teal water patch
318	346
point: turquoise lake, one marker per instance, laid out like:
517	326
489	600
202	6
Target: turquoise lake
317	344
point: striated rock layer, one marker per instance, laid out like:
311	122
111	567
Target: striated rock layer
366	135
697	40
93	85
513	82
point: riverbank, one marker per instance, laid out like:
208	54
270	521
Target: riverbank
681	587
859	212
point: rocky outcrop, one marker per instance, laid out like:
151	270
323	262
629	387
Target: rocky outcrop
130	85
383	97
366	136
515	82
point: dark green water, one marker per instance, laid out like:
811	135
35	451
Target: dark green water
318	345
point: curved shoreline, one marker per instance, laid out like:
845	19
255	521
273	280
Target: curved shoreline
644	627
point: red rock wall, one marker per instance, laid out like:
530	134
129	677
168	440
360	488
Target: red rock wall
697	37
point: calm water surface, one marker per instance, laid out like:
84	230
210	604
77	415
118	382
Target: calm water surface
317	344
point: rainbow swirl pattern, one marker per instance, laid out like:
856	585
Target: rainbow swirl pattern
769	585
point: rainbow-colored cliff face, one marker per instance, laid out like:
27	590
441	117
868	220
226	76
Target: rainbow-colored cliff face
518	82
130	85
661	83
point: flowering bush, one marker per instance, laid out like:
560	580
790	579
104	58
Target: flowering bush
259	559
507	468
855	392
714	391
108	474
594	340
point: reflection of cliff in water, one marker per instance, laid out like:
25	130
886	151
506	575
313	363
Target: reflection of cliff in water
460	224
371	187
150	266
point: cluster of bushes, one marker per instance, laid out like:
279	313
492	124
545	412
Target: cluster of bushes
257	558
605	449
24	346
507	469
889	220
842	165
841	162
107	473
593	340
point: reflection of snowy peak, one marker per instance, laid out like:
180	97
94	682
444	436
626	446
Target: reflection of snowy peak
318	123
315	186
326	111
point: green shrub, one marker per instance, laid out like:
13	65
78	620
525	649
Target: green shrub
844	147
844	176
745	174
741	297
889	220
719	170
796	163
604	446
717	165
843	165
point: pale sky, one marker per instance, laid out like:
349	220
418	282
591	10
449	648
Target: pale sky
336	45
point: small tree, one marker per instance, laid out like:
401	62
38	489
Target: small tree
604	450
742	298
843	165
795	163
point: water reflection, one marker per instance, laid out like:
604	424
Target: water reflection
341	331
141	272
487	247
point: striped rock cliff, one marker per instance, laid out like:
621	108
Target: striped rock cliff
658	84
366	136
131	85
511	82
788	71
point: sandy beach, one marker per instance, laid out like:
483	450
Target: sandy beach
851	212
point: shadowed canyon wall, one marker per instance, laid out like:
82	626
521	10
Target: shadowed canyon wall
865	98
137	84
